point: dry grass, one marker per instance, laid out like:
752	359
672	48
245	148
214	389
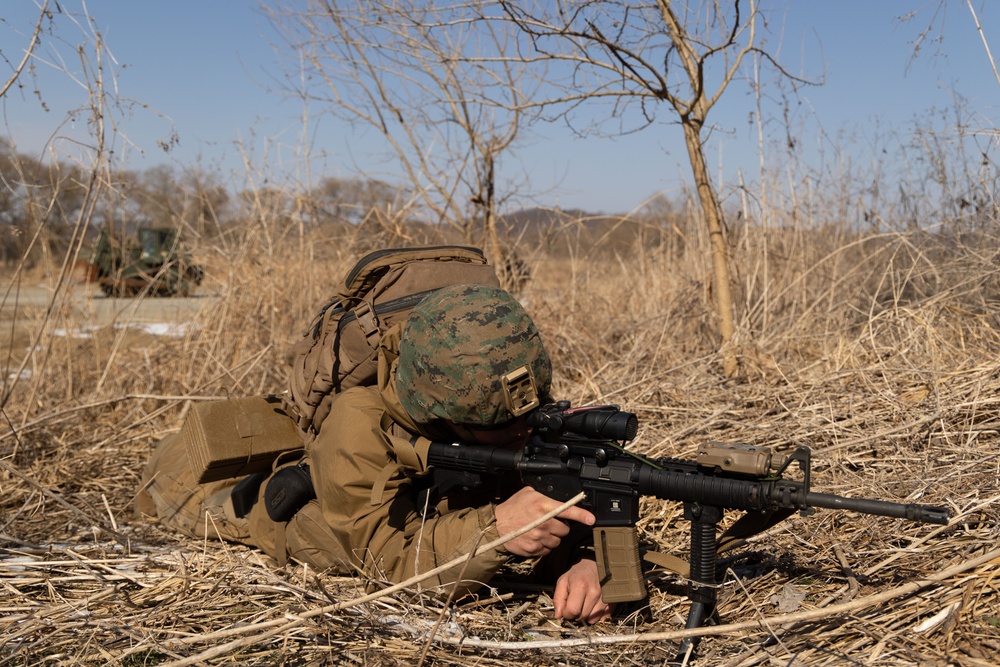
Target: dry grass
880	353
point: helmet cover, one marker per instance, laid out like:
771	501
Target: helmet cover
457	347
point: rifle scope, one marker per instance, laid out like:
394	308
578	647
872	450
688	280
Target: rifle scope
604	422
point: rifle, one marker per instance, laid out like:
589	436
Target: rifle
582	449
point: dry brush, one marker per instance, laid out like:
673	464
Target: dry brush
878	351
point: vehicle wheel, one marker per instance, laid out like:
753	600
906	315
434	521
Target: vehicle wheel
195	274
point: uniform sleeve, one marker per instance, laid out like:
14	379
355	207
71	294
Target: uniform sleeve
367	498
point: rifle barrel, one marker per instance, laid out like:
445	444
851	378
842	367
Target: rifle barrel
911	511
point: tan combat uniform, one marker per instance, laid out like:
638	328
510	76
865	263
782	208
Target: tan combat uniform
366	463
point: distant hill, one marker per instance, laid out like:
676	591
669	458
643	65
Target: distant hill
562	230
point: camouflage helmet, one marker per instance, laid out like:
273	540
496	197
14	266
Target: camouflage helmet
462	351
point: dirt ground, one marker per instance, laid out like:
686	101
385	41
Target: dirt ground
87	304
81	311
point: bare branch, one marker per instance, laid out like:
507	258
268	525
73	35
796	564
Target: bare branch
979	28
32	43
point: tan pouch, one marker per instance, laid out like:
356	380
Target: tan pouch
227	439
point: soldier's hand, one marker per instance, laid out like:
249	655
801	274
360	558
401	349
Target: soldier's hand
578	594
524	507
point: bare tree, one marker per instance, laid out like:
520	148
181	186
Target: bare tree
404	69
352	200
634	56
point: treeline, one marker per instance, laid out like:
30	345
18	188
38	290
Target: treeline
46	204
42	202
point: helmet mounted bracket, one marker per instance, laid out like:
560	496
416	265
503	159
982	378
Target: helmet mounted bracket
519	391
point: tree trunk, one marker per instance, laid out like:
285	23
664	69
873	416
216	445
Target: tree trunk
720	256
486	199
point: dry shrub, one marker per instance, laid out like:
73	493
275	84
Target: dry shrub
878	352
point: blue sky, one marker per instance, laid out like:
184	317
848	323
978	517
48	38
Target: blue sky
201	71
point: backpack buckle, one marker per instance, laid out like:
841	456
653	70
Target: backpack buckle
367	319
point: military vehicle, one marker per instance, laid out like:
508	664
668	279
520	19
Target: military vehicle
150	262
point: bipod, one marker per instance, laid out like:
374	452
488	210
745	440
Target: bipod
702	586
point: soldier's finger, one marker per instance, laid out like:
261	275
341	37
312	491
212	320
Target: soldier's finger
579	515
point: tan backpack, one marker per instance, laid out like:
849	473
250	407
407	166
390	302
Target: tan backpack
340	348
